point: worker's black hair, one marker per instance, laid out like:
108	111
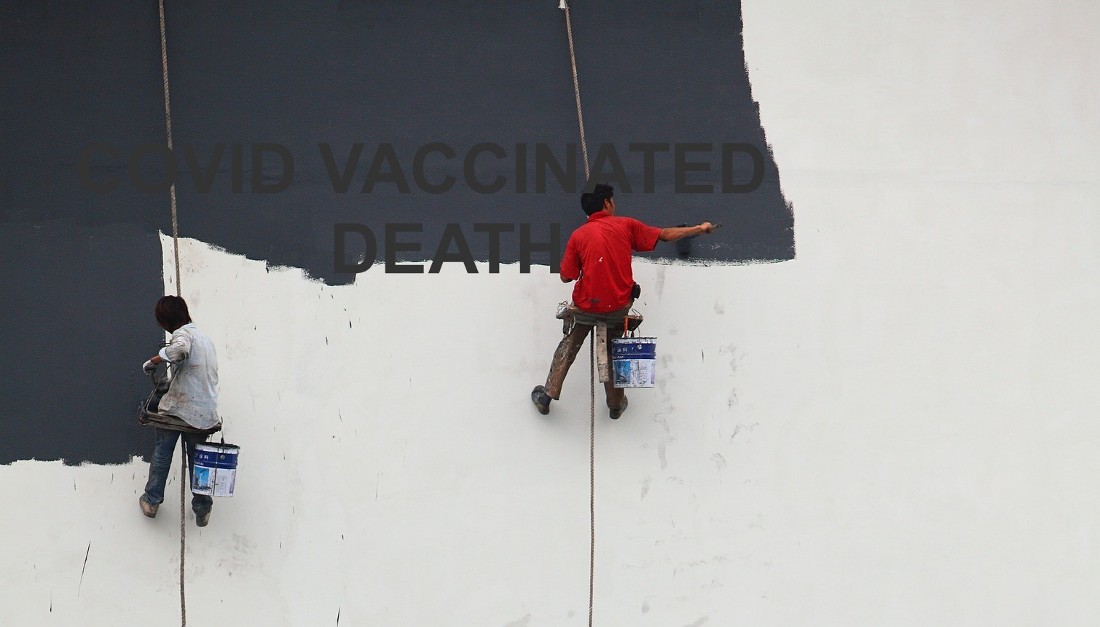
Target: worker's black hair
171	313
593	201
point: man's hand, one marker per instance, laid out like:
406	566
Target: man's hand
707	227
151	365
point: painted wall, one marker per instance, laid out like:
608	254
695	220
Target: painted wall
896	427
401	74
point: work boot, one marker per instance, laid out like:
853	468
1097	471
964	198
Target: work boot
618	411
202	520
541	399
147	508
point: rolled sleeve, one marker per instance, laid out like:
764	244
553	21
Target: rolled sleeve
644	237
178	349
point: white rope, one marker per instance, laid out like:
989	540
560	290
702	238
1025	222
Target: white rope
183	529
592	477
576	86
168	128
563	5
176	255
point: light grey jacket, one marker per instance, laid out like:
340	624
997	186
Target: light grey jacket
193	395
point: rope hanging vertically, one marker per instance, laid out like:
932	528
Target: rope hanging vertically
576	86
179	289
168	130
591	477
563	5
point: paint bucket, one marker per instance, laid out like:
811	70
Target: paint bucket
215	471
633	361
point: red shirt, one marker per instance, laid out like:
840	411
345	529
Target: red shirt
598	255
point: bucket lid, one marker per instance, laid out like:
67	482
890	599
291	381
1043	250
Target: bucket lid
211	446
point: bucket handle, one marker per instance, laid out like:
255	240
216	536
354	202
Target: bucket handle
627	332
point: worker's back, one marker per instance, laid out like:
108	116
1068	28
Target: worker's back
193	395
599	256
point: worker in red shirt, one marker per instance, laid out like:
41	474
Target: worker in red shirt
598	258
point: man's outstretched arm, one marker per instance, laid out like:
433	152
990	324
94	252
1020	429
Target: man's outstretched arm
673	233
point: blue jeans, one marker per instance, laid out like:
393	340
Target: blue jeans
162	463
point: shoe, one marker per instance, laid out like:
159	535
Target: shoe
148	508
618	411
541	399
202	520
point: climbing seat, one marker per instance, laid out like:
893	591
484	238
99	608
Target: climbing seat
147	414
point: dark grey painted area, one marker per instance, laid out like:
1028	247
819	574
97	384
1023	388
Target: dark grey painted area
76	325
79	271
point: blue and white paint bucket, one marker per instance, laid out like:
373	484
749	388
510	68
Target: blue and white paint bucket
215	469
633	361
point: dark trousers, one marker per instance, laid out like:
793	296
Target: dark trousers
571	344
162	463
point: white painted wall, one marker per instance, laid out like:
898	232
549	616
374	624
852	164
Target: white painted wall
897	428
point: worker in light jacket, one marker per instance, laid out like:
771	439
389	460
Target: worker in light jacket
191	397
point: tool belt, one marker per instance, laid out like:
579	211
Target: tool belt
148	415
568	314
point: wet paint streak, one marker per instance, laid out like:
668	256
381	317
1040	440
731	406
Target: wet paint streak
83	568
